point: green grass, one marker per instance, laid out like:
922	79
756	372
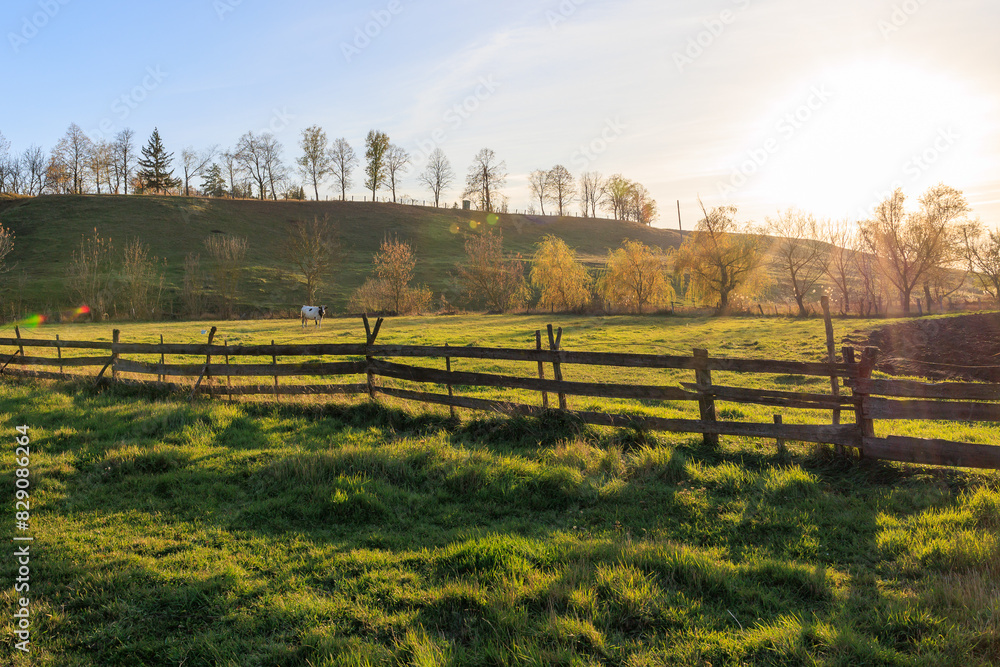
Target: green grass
351	533
49	229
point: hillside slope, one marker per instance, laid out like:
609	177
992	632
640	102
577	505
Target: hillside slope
49	228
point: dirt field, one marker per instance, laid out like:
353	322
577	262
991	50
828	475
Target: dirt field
934	348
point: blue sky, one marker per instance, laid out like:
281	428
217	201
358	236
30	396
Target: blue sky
759	103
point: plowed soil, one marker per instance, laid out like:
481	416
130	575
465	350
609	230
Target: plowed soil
966	347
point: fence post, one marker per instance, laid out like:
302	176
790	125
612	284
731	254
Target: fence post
541	368
370	336
865	426
208	360
59	354
779	441
706	400
556	366
115	336
447	366
274	362
229	385
831	357
163	362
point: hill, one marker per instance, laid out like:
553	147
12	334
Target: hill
49	228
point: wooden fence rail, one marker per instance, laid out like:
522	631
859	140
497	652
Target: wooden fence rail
869	400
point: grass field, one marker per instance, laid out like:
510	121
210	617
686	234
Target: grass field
350	533
49	229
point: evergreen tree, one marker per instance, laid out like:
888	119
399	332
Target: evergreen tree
155	173
214	185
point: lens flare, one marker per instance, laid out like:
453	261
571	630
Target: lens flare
455	227
82	310
473	224
31	321
493	218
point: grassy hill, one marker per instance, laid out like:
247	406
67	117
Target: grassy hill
49	228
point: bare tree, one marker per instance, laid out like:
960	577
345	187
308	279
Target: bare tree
232	171
277	175
194	164
315	162
312	247
842	243
982	250
909	245
251	156
376	147
489	278
592	193
437	175
33	162
562	187
538	180
123	158
99	164
230	254
797	253
6	245
141	281
342	161
396	159
71	153
485	178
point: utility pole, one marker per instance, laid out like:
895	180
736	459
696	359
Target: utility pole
679	216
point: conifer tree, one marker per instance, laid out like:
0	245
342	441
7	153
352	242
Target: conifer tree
214	185
155	173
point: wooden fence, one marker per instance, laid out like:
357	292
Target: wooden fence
869	399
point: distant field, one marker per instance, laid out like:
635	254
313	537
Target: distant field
207	533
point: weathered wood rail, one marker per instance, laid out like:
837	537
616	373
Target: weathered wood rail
869	400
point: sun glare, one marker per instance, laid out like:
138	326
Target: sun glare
855	133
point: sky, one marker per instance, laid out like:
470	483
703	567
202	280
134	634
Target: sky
761	104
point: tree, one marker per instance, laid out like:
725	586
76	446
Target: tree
342	162
437	175
91	275
562	280
194	164
312	247
230	254
490	279
720	259
71	154
396	159
842	243
232	170
618	191
141	282
99	164
376	147
635	278
123	158
640	205
6	245
982	250
33	162
797	253
592	193
155	173
910	245
389	289
315	163
214	185
562	187
260	157
538	180
485	178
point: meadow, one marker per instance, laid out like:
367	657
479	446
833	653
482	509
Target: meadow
348	532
